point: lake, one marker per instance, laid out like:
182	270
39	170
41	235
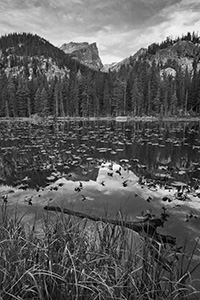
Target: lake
105	168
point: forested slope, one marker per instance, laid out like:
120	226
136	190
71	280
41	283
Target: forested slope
37	77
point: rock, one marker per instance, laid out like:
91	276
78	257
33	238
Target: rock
167	72
86	53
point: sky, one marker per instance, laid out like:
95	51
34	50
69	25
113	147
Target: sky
119	27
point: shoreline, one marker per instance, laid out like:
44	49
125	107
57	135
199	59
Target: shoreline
119	119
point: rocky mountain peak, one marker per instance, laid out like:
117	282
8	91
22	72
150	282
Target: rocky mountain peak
73	46
183	52
86	53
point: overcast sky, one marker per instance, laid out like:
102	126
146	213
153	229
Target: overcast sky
119	27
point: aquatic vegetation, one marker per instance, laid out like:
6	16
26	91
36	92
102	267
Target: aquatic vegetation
137	169
85	260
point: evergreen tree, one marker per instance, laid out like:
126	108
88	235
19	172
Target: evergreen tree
33	85
3	93
137	98
61	106
56	101
174	104
37	103
75	101
106	105
7	112
149	102
22	96
165	102
11	91
180	88
85	96
117	98
44	109
29	107
144	77
65	95
157	102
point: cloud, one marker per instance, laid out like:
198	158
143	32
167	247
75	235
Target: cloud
120	28
177	19
172	20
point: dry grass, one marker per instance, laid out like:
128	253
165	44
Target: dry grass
69	261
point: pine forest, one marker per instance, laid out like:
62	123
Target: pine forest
140	88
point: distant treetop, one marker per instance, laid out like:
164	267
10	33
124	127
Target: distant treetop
153	48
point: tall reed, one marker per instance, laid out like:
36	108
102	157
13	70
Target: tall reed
72	259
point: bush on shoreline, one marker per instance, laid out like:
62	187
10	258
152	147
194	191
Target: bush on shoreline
65	260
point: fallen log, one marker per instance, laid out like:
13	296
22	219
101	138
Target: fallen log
144	227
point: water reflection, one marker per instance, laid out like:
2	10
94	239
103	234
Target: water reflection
65	164
79	147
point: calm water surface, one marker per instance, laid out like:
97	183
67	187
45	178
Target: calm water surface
28	150
63	164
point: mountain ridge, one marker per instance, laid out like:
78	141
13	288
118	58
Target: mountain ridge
183	50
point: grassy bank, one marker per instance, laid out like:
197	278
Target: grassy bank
67	260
